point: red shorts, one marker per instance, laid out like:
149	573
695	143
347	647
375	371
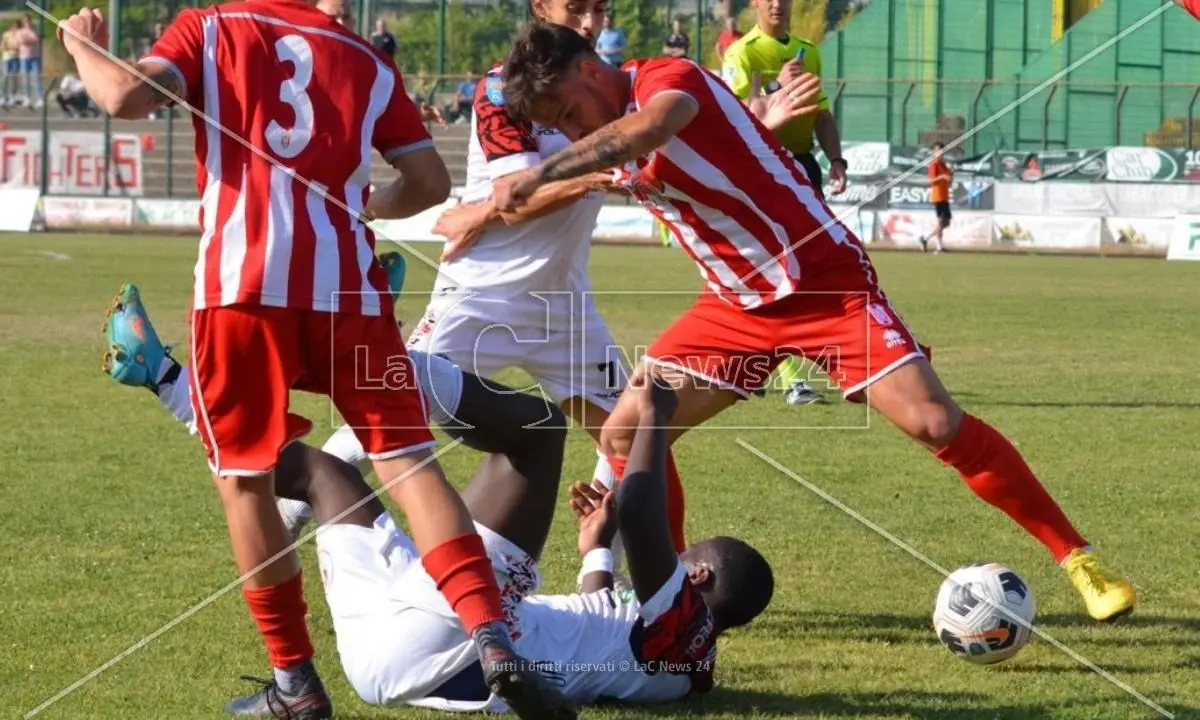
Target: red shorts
838	318
246	359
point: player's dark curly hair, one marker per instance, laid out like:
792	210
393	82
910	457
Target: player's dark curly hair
742	582
541	55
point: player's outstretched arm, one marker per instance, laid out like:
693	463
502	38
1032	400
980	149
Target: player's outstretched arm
642	494
594	508
463	224
626	139
621	141
113	88
423	183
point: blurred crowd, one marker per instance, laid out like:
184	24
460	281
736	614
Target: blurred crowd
440	100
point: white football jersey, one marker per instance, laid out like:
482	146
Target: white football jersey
400	641
548	255
582	644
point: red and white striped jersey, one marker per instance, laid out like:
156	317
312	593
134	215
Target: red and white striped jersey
736	199
280	221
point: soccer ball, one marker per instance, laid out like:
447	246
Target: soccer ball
977	612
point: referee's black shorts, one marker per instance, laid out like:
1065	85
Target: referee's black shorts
813	169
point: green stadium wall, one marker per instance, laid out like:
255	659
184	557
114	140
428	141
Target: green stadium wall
951	49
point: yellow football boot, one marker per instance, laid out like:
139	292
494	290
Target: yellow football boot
1108	595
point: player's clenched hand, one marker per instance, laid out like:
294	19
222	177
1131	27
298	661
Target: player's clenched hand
597	518
800	96
511	191
837	178
87	24
461	225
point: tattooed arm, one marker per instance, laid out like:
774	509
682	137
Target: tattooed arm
613	145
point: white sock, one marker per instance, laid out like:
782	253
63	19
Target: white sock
176	396
604	477
295	514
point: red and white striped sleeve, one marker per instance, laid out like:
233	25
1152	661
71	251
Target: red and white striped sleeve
181	50
669	75
400	129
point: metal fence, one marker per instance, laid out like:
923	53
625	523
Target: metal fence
983	116
1017	115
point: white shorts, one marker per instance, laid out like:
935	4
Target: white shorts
397	637
572	358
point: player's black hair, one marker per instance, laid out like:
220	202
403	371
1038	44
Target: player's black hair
742	583
541	55
939	146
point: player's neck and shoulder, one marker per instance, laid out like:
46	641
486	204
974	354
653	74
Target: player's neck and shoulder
302	15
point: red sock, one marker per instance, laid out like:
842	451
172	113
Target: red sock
996	472
279	612
676	505
462	572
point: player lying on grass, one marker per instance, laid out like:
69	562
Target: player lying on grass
500	421
784	276
513	289
399	640
400	643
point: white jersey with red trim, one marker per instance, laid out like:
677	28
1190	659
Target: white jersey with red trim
533	267
736	199
280	221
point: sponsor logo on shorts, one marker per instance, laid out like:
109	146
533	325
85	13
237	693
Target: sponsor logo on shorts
880	314
894	338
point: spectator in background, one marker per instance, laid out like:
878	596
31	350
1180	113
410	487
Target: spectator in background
384	40
30	52
611	43
464	98
72	97
727	37
10	69
421	93
677	44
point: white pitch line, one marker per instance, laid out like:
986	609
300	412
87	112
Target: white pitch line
231	586
946	574
973	131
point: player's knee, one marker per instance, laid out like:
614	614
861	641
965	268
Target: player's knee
615	439
931	423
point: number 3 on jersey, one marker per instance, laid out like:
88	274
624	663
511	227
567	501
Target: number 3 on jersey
290	142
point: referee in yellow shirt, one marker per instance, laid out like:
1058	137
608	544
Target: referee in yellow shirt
777	57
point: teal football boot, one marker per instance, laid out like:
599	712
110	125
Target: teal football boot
134	355
397	268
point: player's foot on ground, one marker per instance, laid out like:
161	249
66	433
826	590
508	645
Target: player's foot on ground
516	681
801	393
295	514
134	355
924	243
311	703
397	269
1107	594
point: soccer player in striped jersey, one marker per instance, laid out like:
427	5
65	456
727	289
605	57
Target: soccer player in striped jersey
513	287
783	275
288	296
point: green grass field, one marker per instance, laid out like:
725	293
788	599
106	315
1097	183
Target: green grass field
110	527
